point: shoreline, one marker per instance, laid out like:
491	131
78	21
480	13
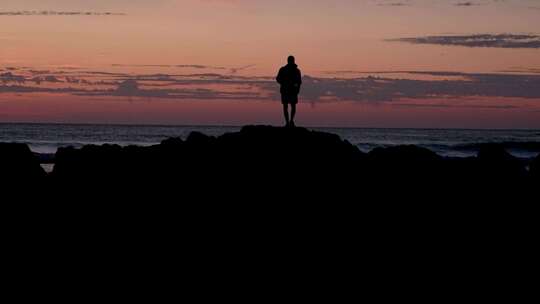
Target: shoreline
262	152
46	139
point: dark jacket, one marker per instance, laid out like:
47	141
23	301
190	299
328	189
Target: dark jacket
290	79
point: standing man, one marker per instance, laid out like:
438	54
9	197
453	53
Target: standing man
290	79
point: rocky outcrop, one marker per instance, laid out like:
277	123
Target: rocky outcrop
19	165
266	180
256	159
535	169
500	165
270	160
401	163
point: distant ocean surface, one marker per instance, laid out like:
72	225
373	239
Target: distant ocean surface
47	138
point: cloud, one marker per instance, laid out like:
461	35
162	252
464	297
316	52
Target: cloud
10	77
463	4
191	66
515	41
28	89
394	4
58	13
132	88
236	70
467	4
51	79
390	89
232	70
431	73
450	105
375	89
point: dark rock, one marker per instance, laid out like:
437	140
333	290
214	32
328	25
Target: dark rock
19	164
172	142
407	155
404	165
45	158
499	166
249	196
534	168
199	139
258	159
268	162
283	185
90	162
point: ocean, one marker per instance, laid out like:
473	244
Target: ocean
47	138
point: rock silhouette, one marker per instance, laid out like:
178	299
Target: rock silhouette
399	164
19	165
253	195
275	161
499	166
295	163
257	158
535	169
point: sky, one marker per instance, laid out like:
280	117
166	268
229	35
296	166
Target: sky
371	63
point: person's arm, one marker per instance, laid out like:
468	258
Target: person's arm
279	77
298	81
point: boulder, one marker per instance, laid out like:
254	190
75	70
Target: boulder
19	164
499	166
404	165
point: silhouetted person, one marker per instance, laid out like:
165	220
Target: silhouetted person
290	79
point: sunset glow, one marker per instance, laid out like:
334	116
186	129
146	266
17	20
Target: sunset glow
416	63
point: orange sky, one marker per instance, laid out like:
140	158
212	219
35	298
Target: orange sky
325	36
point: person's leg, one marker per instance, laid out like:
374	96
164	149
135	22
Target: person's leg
293	113
286	113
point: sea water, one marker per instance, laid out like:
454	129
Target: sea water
47	138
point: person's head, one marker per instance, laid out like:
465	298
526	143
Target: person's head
291	60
